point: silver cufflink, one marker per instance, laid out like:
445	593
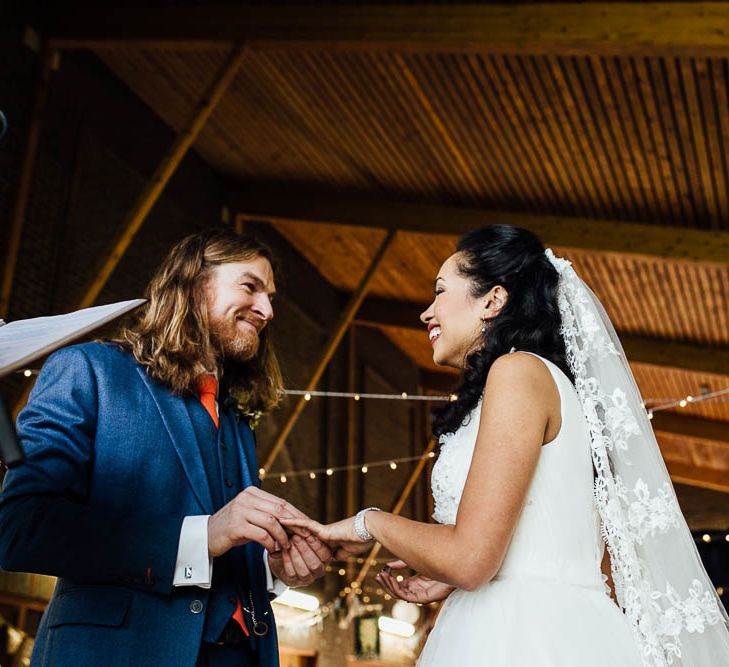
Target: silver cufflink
188	573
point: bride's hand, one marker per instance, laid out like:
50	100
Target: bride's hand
340	535
418	588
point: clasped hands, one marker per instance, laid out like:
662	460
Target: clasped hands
299	548
344	542
295	557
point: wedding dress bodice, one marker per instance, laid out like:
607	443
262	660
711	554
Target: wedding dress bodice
557	535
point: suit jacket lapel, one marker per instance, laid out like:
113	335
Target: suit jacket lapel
246	448
179	427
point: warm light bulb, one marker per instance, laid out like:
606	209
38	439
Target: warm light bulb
312	475
27	372
706	537
330	472
395	627
356	397
404	394
393	465
298	600
307	396
283	479
342	572
683	403
650	415
261	472
364	469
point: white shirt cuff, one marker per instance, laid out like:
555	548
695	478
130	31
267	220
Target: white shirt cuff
275	586
194	567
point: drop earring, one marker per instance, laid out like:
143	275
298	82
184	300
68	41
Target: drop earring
483	328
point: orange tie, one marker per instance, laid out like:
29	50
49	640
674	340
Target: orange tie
207	386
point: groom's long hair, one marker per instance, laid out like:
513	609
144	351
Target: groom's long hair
170	336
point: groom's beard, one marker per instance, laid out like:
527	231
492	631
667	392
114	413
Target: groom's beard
233	342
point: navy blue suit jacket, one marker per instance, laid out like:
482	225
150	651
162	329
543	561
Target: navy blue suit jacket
112	469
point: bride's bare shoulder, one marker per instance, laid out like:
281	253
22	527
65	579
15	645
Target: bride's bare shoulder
519	366
518	377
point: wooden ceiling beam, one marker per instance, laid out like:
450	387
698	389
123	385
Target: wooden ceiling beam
259	204
692	427
705	478
330	347
667	354
566	28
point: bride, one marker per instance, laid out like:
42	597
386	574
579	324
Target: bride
546	456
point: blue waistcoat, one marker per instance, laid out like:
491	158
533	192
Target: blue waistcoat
223	470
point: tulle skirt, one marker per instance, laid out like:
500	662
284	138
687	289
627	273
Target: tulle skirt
530	622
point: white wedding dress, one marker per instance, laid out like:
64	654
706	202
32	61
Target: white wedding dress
548	605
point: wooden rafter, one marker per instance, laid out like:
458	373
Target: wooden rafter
330	347
692	427
152	191
564	28
586	234
163	173
705	478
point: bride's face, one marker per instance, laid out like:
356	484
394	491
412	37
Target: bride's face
454	319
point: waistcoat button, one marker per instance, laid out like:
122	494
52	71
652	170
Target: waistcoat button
196	606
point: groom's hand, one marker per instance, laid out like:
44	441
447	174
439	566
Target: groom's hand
306	560
303	563
252	516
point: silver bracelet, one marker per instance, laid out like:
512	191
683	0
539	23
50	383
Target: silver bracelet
359	524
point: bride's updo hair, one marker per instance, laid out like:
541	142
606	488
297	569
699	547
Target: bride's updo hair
529	321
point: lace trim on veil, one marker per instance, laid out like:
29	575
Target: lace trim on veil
629	516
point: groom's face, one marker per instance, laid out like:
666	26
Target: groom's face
239	297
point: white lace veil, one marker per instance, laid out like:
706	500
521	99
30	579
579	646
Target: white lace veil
659	579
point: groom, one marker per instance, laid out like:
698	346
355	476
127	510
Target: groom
140	489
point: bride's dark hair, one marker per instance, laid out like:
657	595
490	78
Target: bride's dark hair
529	321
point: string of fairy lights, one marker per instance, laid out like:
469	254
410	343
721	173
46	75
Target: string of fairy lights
364	468
683	402
652	405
